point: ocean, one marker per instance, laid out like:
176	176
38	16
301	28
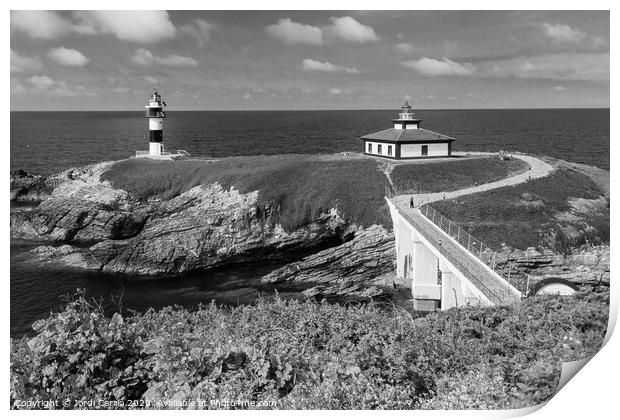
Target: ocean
48	142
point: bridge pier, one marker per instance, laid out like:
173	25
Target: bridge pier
444	274
426	290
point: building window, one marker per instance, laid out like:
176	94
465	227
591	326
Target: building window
369	147
379	149
389	150
425	150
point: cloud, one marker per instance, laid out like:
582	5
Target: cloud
151	80
559	88
41	82
561	33
24	64
68	57
405	48
562	66
343	28
144	57
174	60
40	24
348	29
198	29
445	67
290	32
335	91
313	65
143	26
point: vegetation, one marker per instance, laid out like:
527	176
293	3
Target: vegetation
309	355
539	213
453	175
299	187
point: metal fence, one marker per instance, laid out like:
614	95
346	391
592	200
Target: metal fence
475	247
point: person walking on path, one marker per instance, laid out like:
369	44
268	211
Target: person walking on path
411	202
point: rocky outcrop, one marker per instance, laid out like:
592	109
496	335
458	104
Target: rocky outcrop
350	269
588	265
202	228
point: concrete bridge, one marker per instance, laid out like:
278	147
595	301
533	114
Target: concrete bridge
446	268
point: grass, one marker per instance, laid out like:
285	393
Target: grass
453	175
526	215
306	355
297	188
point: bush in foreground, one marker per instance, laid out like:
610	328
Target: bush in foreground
310	355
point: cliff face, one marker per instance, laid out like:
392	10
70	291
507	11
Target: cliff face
95	226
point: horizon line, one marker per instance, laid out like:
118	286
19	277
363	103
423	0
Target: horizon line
316	109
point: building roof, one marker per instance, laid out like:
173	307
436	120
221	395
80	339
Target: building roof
417	134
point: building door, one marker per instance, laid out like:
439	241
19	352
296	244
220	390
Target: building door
425	150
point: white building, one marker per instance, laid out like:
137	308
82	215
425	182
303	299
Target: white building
406	140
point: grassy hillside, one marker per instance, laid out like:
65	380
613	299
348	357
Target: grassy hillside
543	212
300	187
453	175
310	355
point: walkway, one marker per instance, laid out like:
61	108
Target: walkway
491	284
538	169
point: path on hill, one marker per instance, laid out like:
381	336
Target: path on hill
538	169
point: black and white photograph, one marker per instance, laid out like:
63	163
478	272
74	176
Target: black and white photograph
307	209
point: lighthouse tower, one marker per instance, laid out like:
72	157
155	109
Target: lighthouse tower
405	120
156	115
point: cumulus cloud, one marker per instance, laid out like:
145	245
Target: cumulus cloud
198	29
444	67
559	88
144	26
561	33
335	91
150	79
289	32
23	64
40	24
68	57
313	65
349	29
144	57
342	28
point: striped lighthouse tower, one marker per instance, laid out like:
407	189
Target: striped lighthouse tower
156	115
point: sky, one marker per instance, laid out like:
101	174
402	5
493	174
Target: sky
252	60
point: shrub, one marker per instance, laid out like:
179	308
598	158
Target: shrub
311	355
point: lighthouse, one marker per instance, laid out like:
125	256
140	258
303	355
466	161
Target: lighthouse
155	113
406	140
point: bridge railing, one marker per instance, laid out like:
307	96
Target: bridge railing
475	247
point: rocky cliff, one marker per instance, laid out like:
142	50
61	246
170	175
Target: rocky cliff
91	225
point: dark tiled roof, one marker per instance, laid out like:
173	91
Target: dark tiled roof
418	134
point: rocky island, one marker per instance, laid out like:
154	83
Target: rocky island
323	216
